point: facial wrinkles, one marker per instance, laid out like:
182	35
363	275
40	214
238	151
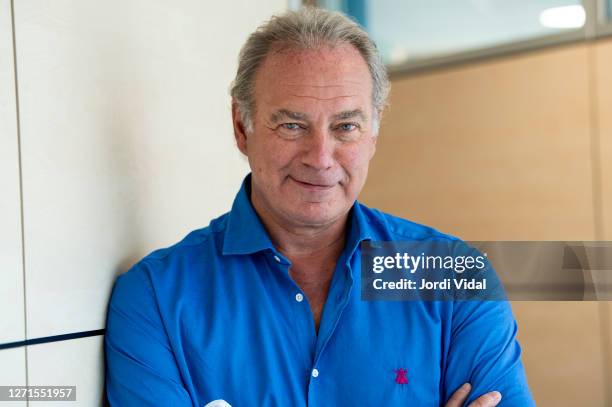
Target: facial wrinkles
322	98
336	175
318	178
323	92
328	176
325	85
318	94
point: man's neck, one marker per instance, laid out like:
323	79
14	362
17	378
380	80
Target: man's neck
312	250
301	242
297	241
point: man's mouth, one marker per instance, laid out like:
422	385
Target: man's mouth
313	185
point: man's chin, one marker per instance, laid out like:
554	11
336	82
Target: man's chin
314	214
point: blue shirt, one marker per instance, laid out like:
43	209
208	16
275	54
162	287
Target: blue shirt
217	316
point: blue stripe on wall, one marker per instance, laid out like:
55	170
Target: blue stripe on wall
54	338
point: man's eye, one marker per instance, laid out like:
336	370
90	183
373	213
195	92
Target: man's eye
291	126
347	127
291	131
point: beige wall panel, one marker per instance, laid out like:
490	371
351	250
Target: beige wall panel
603	81
562	352
493	150
606	314
127	142
603	58
12	322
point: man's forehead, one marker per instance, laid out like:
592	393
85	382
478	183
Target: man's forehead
282	114
323	67
291	87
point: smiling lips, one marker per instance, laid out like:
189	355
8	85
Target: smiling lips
314	186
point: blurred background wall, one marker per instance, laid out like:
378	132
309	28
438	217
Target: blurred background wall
115	139
510	138
514	148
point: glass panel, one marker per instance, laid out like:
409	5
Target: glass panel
406	30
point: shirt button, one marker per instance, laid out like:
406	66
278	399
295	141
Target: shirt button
299	297
315	373
277	259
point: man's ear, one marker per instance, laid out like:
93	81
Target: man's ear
240	133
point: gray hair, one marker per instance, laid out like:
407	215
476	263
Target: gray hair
306	28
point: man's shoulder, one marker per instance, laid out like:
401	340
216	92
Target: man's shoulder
161	274
387	226
196	243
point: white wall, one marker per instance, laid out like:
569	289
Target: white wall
12	323
126	146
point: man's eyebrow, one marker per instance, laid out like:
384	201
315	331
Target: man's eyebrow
349	114
284	114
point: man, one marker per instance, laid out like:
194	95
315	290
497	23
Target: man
263	307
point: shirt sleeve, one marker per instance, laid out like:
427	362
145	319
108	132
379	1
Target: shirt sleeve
140	366
484	351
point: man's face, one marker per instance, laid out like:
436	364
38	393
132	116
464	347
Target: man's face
312	137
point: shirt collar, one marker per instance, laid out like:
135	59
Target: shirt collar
358	230
245	234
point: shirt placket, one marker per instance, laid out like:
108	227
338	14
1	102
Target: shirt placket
312	346
303	334
337	300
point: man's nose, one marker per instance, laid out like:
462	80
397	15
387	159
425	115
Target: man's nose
319	150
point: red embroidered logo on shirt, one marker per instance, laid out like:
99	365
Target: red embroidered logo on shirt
400	376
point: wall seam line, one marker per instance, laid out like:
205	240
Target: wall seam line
19	163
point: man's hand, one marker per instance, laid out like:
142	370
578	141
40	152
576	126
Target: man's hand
486	400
